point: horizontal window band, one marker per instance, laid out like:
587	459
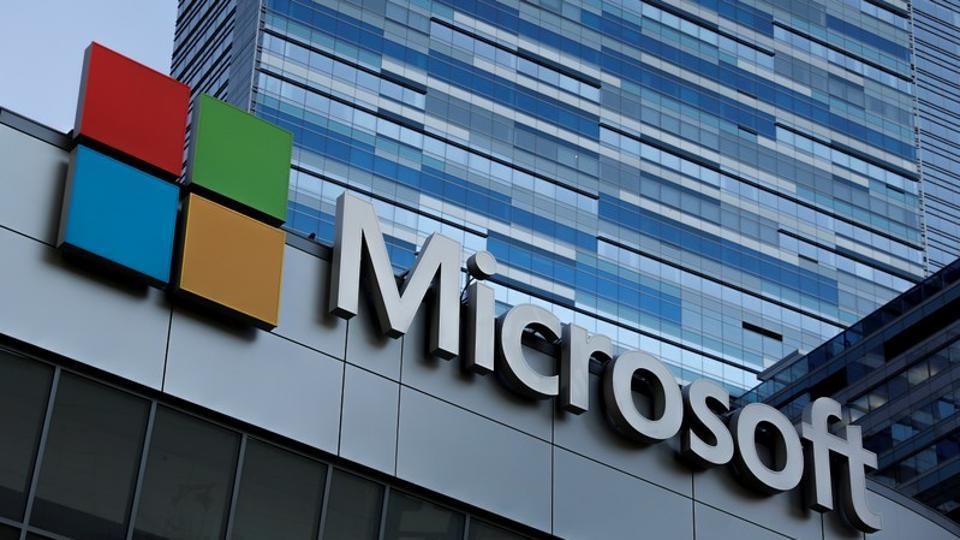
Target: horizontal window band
714	279
386	75
656	143
902	274
525	54
842	51
853	152
439	137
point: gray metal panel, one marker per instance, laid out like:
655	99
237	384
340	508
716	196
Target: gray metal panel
370	348
591	435
256	377
80	315
472	459
594	501
32	176
368	432
902	523
303	300
482	394
784	513
712	524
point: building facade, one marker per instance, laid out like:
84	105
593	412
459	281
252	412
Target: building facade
719	183
128	413
896	371
938	96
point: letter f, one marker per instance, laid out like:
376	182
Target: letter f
824	448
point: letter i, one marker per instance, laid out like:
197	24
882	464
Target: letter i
481	314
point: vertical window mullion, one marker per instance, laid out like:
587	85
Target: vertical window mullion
324	504
140	472
35	477
236	486
383	512
466	527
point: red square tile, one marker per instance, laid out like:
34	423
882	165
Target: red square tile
130	108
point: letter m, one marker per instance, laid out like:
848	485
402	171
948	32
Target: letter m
359	244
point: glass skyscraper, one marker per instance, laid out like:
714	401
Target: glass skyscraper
937	52
722	183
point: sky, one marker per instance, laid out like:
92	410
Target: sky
42	45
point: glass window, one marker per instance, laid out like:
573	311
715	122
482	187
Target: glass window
409	517
187	485
280	494
25	388
91	460
480	530
9	533
353	510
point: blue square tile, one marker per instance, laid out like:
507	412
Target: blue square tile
119	214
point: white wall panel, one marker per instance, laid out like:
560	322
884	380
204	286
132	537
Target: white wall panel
303	305
594	501
32	176
256	377
79	314
475	460
368	433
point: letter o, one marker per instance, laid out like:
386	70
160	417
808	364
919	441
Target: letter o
620	408
788	454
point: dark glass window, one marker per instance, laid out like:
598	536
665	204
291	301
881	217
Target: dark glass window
353	510
187	485
280	494
9	533
24	388
410	518
480	530
91	460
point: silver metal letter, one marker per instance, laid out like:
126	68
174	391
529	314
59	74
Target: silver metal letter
619	404
787	453
512	366
480	328
699	417
438	260
823	447
575	366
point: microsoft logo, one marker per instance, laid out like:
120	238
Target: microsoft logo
216	237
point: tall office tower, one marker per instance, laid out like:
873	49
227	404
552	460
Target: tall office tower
897	371
718	182
937	50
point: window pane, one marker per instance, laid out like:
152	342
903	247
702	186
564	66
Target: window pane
24	388
353	510
280	494
410	518
91	460
480	530
9	533
188	481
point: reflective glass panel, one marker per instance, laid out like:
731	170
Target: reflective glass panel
187	485
91	460
410	518
24	388
480	530
353	510
280	494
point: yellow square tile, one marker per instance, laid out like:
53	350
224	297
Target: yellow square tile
232	260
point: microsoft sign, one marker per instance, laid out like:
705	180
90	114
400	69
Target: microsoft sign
711	434
216	239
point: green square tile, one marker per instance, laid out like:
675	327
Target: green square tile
240	157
